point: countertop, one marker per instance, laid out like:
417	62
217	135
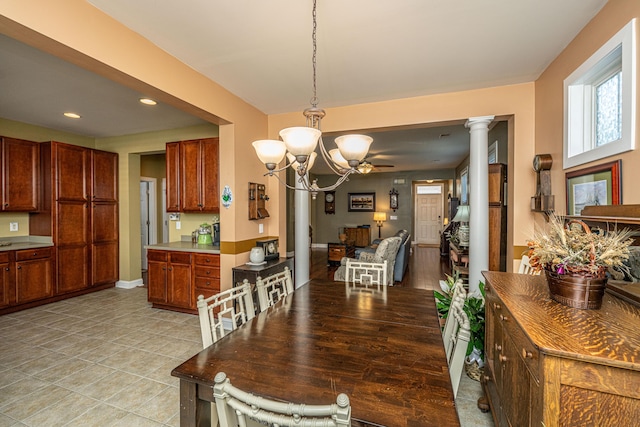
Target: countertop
25	242
185	246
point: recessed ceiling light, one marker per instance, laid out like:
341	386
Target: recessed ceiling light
72	115
148	101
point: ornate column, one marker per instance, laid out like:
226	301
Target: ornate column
478	199
301	230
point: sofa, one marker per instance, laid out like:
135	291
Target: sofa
402	257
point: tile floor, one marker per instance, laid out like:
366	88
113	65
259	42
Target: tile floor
104	359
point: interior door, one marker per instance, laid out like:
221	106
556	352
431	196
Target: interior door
428	218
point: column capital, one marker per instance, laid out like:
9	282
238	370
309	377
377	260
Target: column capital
483	120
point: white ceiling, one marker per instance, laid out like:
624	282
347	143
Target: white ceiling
368	50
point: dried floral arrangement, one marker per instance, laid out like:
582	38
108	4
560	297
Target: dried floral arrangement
574	249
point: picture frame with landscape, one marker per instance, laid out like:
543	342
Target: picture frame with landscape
595	185
361	202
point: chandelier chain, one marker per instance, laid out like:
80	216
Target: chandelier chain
314	99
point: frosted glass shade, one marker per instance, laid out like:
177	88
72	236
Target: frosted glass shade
338	159
270	151
300	141
354	147
296	165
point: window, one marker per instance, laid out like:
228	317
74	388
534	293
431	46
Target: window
464	183
429	189
600	102
493	153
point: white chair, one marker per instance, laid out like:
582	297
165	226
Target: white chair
233	306
385	252
458	296
366	273
273	288
525	267
457	350
236	407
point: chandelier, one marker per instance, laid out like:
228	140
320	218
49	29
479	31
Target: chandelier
299	145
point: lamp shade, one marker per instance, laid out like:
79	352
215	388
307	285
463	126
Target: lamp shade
379	216
296	165
338	159
270	151
462	215
300	141
354	147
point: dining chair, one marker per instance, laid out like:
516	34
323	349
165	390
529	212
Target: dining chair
458	296
457	351
366	273
237	407
526	268
273	288
233	307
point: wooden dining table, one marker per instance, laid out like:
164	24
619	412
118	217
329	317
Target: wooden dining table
382	348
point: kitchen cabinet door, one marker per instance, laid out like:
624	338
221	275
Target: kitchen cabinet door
20	175
72	168
5	283
104	167
173	176
199	175
34	279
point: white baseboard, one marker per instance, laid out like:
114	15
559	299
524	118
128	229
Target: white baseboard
320	245
129	284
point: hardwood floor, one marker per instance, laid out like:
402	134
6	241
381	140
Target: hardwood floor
425	269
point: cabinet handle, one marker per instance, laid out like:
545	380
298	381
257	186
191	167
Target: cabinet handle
207	260
498	347
503	318
208	272
170	268
6	269
35	254
164	268
6	205
502	358
527	354
496	306
19	267
487	378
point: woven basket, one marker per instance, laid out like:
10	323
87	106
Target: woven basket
578	289
473	370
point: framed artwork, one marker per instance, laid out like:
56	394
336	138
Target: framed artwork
595	185
362	202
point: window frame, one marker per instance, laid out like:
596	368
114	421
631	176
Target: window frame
579	100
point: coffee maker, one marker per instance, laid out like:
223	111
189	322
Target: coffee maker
216	234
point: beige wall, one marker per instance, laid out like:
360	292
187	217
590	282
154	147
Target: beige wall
549	99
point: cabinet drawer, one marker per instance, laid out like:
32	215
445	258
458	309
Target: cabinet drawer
180	257
207	259
161	256
207	293
208	272
33	254
212	283
526	350
4	257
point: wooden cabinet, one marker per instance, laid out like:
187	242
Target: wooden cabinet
5	282
80	211
337	251
497	217
176	278
173	176
207	274
360	236
192	176
20	174
34	278
547	364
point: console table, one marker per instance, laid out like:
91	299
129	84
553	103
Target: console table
251	272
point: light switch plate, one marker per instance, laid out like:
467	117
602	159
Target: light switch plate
178	225
260	228
13	226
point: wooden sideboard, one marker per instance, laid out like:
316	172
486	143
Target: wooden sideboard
548	364
360	236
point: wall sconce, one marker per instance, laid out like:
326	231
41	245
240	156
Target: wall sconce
462	216
379	218
393	199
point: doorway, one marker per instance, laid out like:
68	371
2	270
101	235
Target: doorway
428	217
148	216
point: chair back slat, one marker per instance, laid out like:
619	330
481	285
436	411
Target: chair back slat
273	288
237	407
366	273
233	307
526	268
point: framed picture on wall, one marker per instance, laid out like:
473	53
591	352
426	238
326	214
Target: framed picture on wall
595	185
361	202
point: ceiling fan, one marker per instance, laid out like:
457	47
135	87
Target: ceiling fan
366	166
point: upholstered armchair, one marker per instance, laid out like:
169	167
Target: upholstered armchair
386	251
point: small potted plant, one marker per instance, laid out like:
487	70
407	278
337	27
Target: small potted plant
576	261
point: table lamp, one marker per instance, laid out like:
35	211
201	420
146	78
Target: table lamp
379	218
462	216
